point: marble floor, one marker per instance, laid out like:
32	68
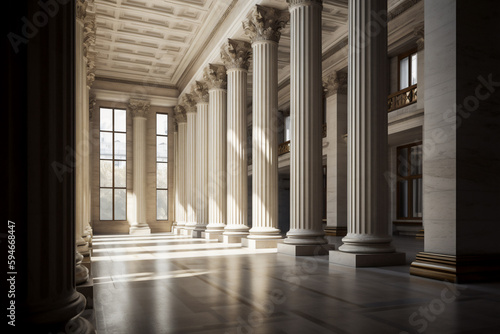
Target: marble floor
163	283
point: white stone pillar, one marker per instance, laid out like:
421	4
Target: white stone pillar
306	234
335	86
215	76
264	28
190	181
176	170
180	188
367	242
235	55
81	119
200	93
139	109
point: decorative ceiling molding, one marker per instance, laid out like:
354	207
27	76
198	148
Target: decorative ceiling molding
401	8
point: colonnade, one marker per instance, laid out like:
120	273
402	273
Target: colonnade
227	182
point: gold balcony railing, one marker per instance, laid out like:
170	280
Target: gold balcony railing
402	98
284	147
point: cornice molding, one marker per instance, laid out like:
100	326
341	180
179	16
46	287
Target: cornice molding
139	108
236	54
81	9
135	83
265	23
400	9
215	76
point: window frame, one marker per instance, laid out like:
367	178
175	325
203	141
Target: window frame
400	57
113	165
162	162
408	178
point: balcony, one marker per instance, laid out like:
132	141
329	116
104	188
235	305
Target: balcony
402	98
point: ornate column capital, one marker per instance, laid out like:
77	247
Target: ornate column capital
236	54
293	3
335	83
180	114
419	33
265	23
138	108
215	76
189	103
199	91
81	9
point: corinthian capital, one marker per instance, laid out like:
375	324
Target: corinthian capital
236	54
189	103
215	76
81	9
265	23
335	83
138	108
180	113
199	91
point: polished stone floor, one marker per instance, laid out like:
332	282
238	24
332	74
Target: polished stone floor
170	284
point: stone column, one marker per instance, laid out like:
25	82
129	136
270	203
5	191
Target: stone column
306	234
367	242
235	55
176	169
180	188
200	94
139	109
41	200
335	86
264	28
81	147
190	181
215	76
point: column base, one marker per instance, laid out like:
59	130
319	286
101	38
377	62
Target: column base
87	290
261	243
198	234
367	260
213	235
139	230
304	250
233	238
456	269
336	231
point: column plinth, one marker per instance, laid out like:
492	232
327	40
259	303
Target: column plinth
139	109
367	242
264	28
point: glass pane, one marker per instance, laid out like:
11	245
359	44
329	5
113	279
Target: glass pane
161	124
416	160
106	143
162	175
414	69
120	120
161	149
120	204
106	173
120	146
403	162
417	198
403	199
106	119
105	204
162	204
287	128
403	73
120	174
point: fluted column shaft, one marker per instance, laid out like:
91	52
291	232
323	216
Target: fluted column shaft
139	166
265	136
180	211
202	139
367	131
191	170
217	162
306	187
81	125
237	166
